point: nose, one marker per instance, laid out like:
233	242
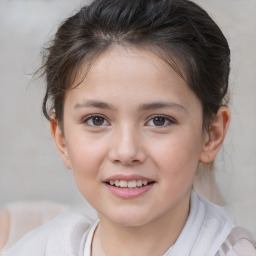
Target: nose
127	147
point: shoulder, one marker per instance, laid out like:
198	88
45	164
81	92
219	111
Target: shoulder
215	217
65	235
242	247
206	228
218	236
239	242
213	228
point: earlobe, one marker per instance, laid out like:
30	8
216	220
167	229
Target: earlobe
60	142
215	136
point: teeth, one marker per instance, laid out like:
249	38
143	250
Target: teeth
123	184
132	184
128	184
139	183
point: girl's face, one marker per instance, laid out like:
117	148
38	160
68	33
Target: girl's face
133	137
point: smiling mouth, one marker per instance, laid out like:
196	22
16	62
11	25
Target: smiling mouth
129	184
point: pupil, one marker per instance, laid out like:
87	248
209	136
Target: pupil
159	121
98	120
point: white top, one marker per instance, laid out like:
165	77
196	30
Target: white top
88	243
71	235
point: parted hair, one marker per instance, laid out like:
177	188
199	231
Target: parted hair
178	31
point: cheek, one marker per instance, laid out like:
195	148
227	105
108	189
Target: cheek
177	155
86	154
86	159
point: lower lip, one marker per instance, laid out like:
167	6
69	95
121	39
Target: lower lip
128	193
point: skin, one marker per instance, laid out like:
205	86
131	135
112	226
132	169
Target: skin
133	86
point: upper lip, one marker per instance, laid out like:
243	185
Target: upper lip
127	177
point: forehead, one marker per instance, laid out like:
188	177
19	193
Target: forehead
130	73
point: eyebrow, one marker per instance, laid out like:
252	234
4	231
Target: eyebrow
159	105
95	104
143	107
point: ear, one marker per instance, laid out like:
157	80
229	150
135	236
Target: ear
215	136
60	142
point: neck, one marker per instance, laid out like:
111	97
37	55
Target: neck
115	240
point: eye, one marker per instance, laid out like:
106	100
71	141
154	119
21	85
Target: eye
96	120
160	121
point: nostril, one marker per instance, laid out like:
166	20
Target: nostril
126	153
129	162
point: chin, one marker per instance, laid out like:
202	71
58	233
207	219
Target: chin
127	218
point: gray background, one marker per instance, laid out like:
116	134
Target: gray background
30	166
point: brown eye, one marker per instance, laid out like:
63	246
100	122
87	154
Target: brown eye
98	120
159	121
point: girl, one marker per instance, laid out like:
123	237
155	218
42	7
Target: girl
136	94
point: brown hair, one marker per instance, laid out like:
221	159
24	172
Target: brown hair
179	31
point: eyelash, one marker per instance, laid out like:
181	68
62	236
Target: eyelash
167	121
90	118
